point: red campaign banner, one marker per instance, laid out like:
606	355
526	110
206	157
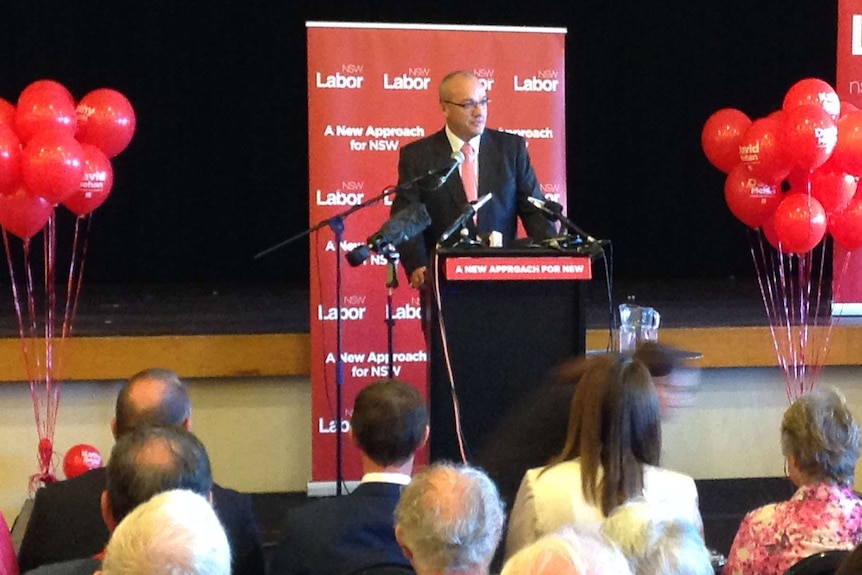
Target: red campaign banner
847	294
372	88
518	268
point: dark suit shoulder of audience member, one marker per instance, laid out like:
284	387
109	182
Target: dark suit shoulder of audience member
343	534
65	522
333	535
85	566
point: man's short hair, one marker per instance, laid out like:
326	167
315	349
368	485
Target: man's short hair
450	517
149	460
172	408
389	421
174	532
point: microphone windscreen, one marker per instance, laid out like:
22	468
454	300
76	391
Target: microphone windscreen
357	255
407	224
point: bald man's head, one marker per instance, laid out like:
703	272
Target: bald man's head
154	397
148	460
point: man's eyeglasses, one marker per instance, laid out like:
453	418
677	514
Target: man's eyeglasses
470	105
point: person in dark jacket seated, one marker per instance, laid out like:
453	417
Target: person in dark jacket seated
343	534
66	521
144	463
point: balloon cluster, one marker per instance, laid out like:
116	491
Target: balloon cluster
794	172
792	178
53	151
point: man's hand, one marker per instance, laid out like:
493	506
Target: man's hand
417	278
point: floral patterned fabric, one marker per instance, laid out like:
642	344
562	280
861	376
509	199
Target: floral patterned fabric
819	517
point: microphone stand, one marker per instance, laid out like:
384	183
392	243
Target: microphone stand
392	259
336	223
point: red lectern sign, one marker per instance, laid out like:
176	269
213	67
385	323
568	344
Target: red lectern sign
372	88
515	268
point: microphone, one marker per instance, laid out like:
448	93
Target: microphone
394	231
554	211
469	212
433	179
457	159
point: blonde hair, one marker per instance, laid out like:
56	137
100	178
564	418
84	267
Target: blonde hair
570	551
174	532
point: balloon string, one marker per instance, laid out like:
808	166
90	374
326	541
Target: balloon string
16	297
837	281
73	285
765	271
784	323
53	384
822	351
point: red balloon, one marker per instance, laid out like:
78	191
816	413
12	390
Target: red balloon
847	155
7	113
761	148
800	223
846	226
44	105
768	230
80	459
833	190
52	165
23	214
96	184
810	136
777	115
798	180
749	199
10	160
721	135
846	108
106	119
813	91
47	85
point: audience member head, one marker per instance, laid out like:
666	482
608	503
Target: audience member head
656	541
674	382
449	520
570	551
389	422
155	397
174	532
614	428
820	439
149	460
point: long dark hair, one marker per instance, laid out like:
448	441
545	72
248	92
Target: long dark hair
614	428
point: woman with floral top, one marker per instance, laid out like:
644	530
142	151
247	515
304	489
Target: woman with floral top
820	440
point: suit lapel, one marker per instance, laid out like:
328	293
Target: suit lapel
488	155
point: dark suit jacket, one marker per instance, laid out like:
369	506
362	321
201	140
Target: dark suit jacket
339	535
66	523
504	170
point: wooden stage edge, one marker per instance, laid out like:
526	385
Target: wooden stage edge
281	355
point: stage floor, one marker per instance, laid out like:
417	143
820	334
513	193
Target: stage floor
187	309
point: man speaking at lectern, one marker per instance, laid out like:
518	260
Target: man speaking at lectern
493	162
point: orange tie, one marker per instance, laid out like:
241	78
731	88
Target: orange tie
468	173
